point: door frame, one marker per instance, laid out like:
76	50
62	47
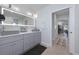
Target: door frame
71	49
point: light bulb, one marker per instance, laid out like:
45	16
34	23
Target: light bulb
2	22
15	8
35	15
29	13
14	23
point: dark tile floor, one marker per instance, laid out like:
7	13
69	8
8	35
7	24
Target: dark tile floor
37	50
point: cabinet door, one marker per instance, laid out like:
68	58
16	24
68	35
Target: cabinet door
28	41
6	49
18	47
37	38
12	48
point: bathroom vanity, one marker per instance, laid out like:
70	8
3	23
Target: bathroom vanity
16	44
16	36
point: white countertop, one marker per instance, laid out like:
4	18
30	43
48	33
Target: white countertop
19	33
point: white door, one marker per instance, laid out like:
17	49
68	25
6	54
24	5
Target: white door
71	29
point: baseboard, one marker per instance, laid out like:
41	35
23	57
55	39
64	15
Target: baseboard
44	44
75	53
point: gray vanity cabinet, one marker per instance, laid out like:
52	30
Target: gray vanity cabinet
11	45
28	41
37	38
32	39
17	44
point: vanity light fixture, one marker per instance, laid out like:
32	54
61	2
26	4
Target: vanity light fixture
29	13
35	15
2	22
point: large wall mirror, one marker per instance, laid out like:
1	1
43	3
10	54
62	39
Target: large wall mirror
12	17
15	21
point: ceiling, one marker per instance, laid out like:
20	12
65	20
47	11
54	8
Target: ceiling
63	12
31	7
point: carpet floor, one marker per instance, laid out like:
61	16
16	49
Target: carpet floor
37	50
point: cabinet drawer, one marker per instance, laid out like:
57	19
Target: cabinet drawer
5	40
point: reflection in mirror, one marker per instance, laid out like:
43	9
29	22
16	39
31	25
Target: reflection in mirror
14	20
12	17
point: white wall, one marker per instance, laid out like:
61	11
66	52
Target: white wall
44	22
77	29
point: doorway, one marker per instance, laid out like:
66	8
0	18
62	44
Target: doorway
61	28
